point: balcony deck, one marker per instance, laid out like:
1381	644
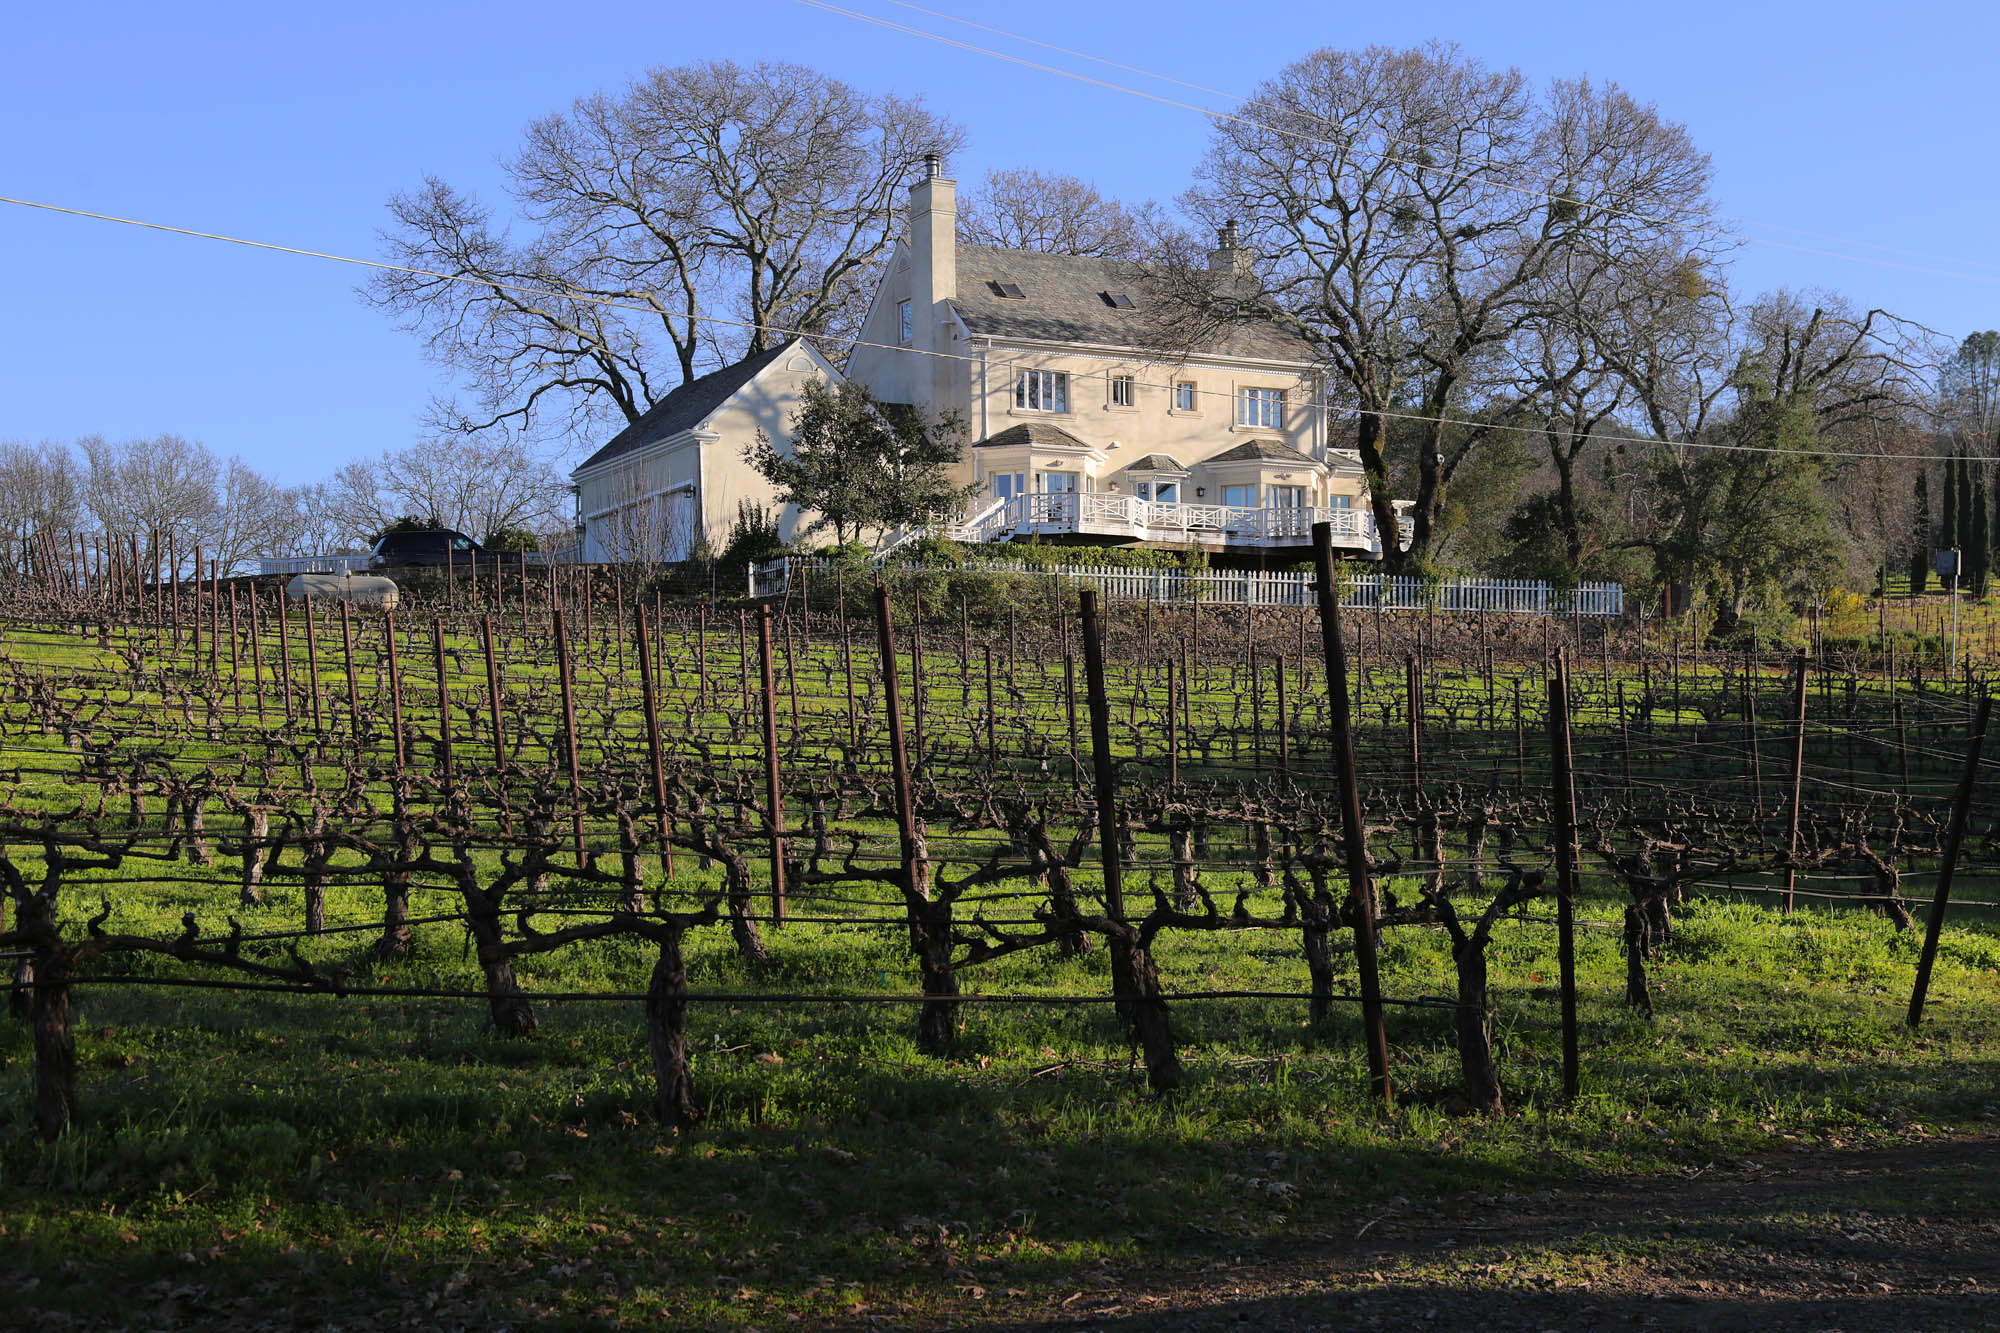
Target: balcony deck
1125	518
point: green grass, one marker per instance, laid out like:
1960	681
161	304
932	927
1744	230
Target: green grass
390	1156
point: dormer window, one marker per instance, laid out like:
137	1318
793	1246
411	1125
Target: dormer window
1008	290
1117	300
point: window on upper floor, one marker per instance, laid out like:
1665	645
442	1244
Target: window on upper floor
904	327
1261	407
1124	392
1007	485
1240	497
1042	391
1340	502
1184	396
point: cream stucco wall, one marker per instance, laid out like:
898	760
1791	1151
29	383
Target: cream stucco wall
705	465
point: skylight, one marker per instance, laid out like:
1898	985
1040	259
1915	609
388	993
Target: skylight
1011	290
1117	300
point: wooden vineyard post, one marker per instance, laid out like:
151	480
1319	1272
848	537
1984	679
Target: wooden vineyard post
1413	711
1625	736
353	696
395	688
847	667
443	703
1069	706
564	678
1750	743
1173	730
197	614
660	827
235	674
930	926
992	728
1954	840
493	694
1284	717
1798	774
284	652
1902	746
257	656
774	799
1134	980
743	656
1353	836
1564	781
312	674
1520	741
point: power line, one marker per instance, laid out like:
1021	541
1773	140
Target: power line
1391	138
1327	410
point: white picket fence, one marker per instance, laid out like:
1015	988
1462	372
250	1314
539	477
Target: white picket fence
1253	588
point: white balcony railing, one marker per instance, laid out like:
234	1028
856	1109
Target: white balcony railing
1101	513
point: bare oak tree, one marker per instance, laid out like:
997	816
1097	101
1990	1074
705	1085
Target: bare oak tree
688	220
1401	208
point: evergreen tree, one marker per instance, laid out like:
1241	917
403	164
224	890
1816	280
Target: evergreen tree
1948	538
1976	557
1965	510
1920	548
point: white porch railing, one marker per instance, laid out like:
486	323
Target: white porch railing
314	564
1456	596
1102	514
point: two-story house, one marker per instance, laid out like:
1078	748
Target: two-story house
1082	429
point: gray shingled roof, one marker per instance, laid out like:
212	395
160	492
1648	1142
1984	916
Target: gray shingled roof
688	406
1065	304
1034	433
1263	451
1154	463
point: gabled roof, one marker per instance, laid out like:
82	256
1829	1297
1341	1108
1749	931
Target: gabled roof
1034	434
1154	463
1264	451
1063	300
688	406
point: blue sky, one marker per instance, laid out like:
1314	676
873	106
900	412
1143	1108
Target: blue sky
294	124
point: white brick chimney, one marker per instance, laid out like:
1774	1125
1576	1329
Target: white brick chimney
934	282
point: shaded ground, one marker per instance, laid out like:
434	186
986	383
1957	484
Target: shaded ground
1895	1239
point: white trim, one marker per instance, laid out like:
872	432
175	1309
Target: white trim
672	443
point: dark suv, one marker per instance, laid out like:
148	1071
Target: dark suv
428	547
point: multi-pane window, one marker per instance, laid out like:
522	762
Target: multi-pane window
1007	485
1123	392
1042	391
1058	483
1340	502
1240	497
1184	396
1285	497
903	327
1260	407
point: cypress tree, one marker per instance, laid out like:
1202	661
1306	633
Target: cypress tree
1977	561
1948	538
1920	548
1965	509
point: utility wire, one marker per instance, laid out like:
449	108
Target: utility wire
853	343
